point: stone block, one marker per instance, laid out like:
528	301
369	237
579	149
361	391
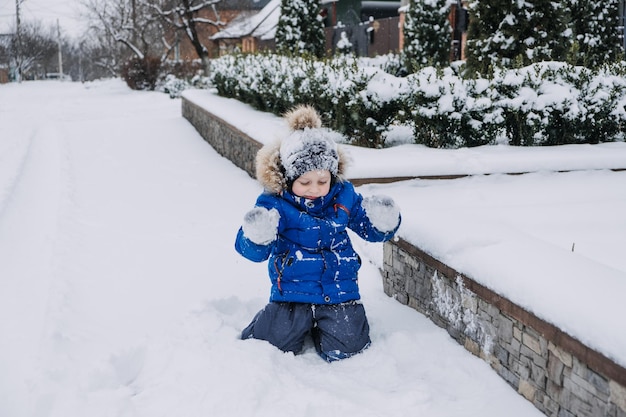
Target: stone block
582	407
534	343
413	263
527	390
485	317
618	395
555	369
472	346
530	356
515	347
410	286
554	391
521	369
505	328
415	304
563	356
582	399
538	376
511	378
550	406
600	383
423	290
455	333
517	333
501	354
402	298
492	310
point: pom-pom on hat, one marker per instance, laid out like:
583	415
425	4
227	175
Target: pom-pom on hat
309	147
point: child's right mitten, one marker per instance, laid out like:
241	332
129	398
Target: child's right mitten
260	225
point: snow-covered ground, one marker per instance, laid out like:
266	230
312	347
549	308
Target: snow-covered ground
121	293
553	242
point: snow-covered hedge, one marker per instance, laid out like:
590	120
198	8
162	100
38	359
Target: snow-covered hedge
549	103
339	89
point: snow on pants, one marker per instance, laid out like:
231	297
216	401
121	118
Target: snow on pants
338	330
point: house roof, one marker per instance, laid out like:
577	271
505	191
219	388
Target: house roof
241	4
260	25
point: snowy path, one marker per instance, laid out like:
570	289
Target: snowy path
121	294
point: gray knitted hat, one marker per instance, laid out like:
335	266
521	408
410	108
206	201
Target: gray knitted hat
309	147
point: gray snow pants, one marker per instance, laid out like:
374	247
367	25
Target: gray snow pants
338	330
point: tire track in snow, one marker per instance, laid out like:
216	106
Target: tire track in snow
29	218
12	160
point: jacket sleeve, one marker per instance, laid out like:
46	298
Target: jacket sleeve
250	250
359	222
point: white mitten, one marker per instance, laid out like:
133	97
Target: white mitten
382	212
260	225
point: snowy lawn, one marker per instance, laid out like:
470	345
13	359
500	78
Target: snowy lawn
121	293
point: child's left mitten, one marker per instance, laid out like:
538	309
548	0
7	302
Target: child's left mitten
260	225
383	212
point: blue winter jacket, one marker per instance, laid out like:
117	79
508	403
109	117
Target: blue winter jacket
312	260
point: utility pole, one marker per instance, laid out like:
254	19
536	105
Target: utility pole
18	58
60	54
134	19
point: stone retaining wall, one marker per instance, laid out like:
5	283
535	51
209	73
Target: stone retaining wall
225	138
557	373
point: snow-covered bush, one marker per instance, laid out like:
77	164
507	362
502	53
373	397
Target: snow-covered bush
548	103
338	88
142	73
173	86
450	112
555	103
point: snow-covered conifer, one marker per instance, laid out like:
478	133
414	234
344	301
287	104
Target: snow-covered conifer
515	33
594	32
300	29
427	34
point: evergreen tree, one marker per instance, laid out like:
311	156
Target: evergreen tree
427	34
300	29
594	34
509	33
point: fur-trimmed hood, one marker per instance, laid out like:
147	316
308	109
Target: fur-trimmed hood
307	147
271	173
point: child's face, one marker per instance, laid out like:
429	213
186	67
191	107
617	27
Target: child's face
312	185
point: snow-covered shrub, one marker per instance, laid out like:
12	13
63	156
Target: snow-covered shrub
338	88
603	96
450	112
173	86
554	103
548	103
390	63
142	73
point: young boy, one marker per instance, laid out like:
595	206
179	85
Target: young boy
300	225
